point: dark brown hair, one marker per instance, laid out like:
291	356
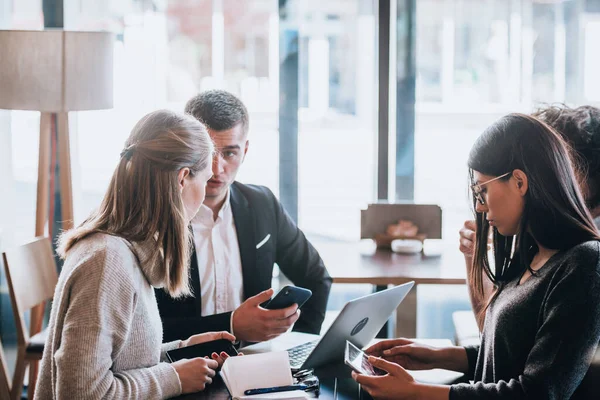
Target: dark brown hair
581	129
218	110
555	213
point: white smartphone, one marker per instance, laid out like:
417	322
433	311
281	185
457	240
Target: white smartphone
356	359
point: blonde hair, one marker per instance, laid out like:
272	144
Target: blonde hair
143	200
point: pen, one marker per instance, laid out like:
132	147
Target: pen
275	389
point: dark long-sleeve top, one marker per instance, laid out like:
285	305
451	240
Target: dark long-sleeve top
539	337
259	218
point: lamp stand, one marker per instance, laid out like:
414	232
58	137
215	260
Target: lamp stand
42	216
43	180
64	163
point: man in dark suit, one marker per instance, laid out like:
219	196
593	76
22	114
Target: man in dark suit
240	232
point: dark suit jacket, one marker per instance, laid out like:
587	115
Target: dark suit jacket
256	213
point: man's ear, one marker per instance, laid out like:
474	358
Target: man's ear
181	175
246	149
521	181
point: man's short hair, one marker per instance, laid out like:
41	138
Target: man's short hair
218	110
581	128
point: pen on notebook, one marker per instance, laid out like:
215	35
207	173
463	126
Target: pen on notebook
275	389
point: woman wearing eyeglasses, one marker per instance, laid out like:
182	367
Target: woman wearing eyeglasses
542	322
580	127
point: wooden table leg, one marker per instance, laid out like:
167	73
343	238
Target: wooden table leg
406	316
387	330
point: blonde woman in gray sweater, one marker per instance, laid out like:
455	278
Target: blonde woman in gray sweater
105	333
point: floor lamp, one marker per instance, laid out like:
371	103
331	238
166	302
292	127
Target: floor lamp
54	72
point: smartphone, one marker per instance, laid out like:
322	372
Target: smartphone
287	296
356	359
202	350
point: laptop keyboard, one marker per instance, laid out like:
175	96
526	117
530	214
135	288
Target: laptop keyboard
300	353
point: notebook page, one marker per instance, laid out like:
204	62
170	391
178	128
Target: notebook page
256	371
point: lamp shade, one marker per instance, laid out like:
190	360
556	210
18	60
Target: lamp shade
56	70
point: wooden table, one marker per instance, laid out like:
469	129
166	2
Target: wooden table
336	382
361	262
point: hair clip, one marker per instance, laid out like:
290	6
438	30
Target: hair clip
128	152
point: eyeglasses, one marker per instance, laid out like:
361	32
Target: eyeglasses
477	188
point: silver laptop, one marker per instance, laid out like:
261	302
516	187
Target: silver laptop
358	322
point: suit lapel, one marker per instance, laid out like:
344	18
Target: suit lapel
243	219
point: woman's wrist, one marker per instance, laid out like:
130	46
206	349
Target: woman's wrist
453	358
421	391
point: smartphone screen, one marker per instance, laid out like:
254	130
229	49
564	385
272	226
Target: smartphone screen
287	296
202	350
359	361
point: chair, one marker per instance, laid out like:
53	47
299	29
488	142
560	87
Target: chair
466	331
31	277
376	218
4	376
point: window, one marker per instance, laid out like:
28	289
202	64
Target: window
337	114
477	61
19	135
164	56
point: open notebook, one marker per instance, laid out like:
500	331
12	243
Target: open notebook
259	371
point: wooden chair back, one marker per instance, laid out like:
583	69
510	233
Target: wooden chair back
376	218
31	277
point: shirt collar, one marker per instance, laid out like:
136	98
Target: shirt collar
226	204
205	213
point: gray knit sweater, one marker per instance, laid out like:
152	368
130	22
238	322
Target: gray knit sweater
540	336
105	333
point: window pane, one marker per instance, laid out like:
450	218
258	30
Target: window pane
337	128
164	56
251	40
479	60
19	135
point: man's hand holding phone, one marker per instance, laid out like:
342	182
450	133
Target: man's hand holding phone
253	323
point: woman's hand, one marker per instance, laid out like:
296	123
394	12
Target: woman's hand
195	374
220	358
467	238
407	354
207	337
396	384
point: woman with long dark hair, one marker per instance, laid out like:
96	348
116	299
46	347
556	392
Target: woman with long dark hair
542	322
580	127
